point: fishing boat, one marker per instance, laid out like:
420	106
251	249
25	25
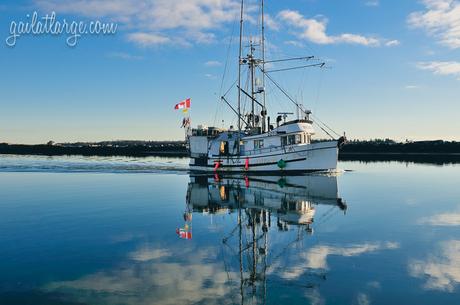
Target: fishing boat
256	144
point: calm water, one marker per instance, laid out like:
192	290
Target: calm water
142	231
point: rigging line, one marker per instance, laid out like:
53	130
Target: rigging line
232	35
318	90
228	56
325	125
275	94
231	107
233	251
250	97
318	122
281	89
229	280
324	220
332	137
326	213
289	59
231	87
244	100
225	239
321	65
285	249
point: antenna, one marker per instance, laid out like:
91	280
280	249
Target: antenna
285	115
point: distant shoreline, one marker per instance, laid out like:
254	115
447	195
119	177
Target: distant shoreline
397	154
172	149
424	152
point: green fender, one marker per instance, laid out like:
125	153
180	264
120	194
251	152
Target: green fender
281	163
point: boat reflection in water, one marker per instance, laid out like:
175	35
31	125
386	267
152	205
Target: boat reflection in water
292	199
265	207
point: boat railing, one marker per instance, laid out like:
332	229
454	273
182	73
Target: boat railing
259	151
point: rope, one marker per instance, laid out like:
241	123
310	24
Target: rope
232	35
325	125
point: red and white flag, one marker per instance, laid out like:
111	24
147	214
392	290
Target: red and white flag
184	234
185	104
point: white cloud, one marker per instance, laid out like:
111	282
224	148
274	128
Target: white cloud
411	87
441	19
315	30
193	280
392	43
440	272
271	23
148	254
314	296
294	43
446	219
374	285
372	3
316	257
362	299
148	39
213	63
441	67
210	76
125	56
156	22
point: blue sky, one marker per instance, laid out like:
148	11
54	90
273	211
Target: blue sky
393	67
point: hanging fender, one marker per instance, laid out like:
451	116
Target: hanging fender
217	165
246	181
246	164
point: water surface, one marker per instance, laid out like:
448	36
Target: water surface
77	230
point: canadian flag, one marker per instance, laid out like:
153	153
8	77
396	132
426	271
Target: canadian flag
185	104
184	234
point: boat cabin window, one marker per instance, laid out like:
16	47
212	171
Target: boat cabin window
283	141
298	138
258	144
292	139
223	148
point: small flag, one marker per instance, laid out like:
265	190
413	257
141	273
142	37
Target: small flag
183	233
185	104
185	122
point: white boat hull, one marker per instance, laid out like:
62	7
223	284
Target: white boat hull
320	156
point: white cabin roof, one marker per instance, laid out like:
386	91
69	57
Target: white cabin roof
297	126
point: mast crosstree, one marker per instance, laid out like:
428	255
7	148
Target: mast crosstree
257	145
256	122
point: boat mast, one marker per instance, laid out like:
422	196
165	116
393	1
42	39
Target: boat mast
264	110
252	63
239	72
